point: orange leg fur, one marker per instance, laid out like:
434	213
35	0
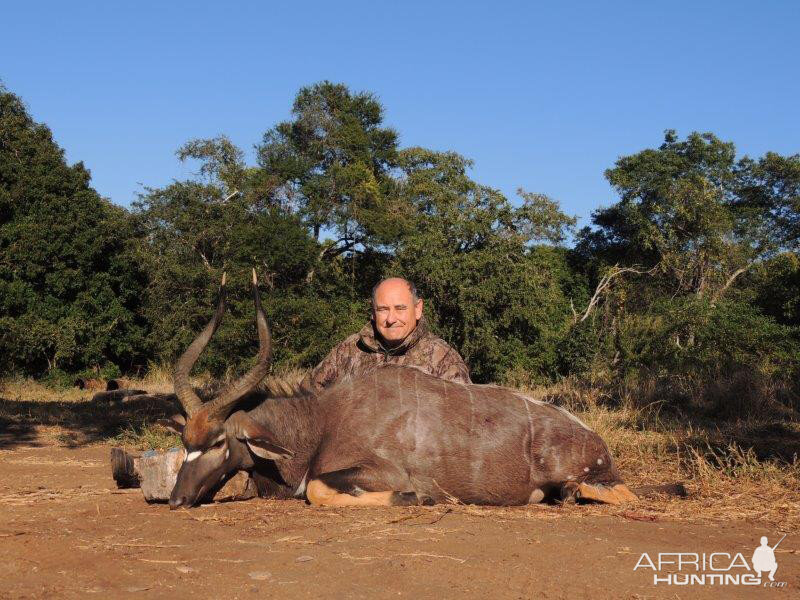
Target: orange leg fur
619	494
320	494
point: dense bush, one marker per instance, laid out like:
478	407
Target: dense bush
693	273
70	286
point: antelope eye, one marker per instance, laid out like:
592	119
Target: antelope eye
219	444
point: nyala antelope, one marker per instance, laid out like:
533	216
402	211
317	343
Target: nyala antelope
395	436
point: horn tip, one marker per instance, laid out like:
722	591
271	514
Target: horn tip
224	278
255	278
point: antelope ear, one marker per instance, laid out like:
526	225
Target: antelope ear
175	423
266	449
261	442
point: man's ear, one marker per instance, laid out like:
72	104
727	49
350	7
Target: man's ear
261	442
175	423
418	309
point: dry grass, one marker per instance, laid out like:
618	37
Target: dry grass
283	381
33	414
738	464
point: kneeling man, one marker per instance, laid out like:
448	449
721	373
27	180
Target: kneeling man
396	334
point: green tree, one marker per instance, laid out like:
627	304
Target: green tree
333	163
690	222
224	221
70	290
694	213
500	300
775	286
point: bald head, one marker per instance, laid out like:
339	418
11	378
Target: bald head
396	308
395	281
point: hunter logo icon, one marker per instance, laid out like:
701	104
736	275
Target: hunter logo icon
714	568
764	558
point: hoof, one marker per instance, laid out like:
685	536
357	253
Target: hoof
410	499
404	499
569	492
123	470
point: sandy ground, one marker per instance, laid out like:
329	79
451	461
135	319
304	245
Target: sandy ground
67	532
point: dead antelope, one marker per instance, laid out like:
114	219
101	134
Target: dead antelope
396	436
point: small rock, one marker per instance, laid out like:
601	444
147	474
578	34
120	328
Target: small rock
304	558
260	575
159	472
134	588
184	569
238	487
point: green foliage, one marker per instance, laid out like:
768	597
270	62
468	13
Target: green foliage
69	287
776	288
193	236
698	230
333	162
695	214
689	335
769	193
499	300
694	272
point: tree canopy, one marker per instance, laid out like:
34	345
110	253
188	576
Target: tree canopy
693	268
70	287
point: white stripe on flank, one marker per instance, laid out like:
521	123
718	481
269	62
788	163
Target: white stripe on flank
573	417
301	489
192	455
559	408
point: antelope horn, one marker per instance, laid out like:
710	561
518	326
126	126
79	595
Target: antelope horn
223	404
183	390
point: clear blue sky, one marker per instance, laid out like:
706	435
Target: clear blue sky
541	95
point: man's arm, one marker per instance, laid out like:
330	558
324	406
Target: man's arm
327	371
322	375
452	367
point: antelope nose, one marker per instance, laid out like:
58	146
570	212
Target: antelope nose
176	502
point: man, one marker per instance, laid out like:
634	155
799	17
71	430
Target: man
396	334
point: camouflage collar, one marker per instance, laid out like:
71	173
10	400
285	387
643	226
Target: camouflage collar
370	341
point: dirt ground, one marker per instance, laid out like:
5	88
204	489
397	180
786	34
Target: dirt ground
67	532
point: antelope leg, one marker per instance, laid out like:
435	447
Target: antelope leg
346	488
618	494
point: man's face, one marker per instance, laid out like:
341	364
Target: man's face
394	312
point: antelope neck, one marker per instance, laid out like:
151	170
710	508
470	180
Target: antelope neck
295	424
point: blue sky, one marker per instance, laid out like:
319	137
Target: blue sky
539	95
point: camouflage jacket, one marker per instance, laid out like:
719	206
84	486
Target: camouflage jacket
363	352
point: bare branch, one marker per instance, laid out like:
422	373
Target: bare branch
718	294
604	284
331	252
205	261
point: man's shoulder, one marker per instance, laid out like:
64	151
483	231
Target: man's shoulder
351	341
432	339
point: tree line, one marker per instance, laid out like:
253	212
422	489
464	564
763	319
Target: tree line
693	270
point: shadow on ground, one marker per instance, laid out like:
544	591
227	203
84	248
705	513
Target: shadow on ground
102	417
768	439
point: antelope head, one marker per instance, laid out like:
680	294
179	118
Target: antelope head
218	442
